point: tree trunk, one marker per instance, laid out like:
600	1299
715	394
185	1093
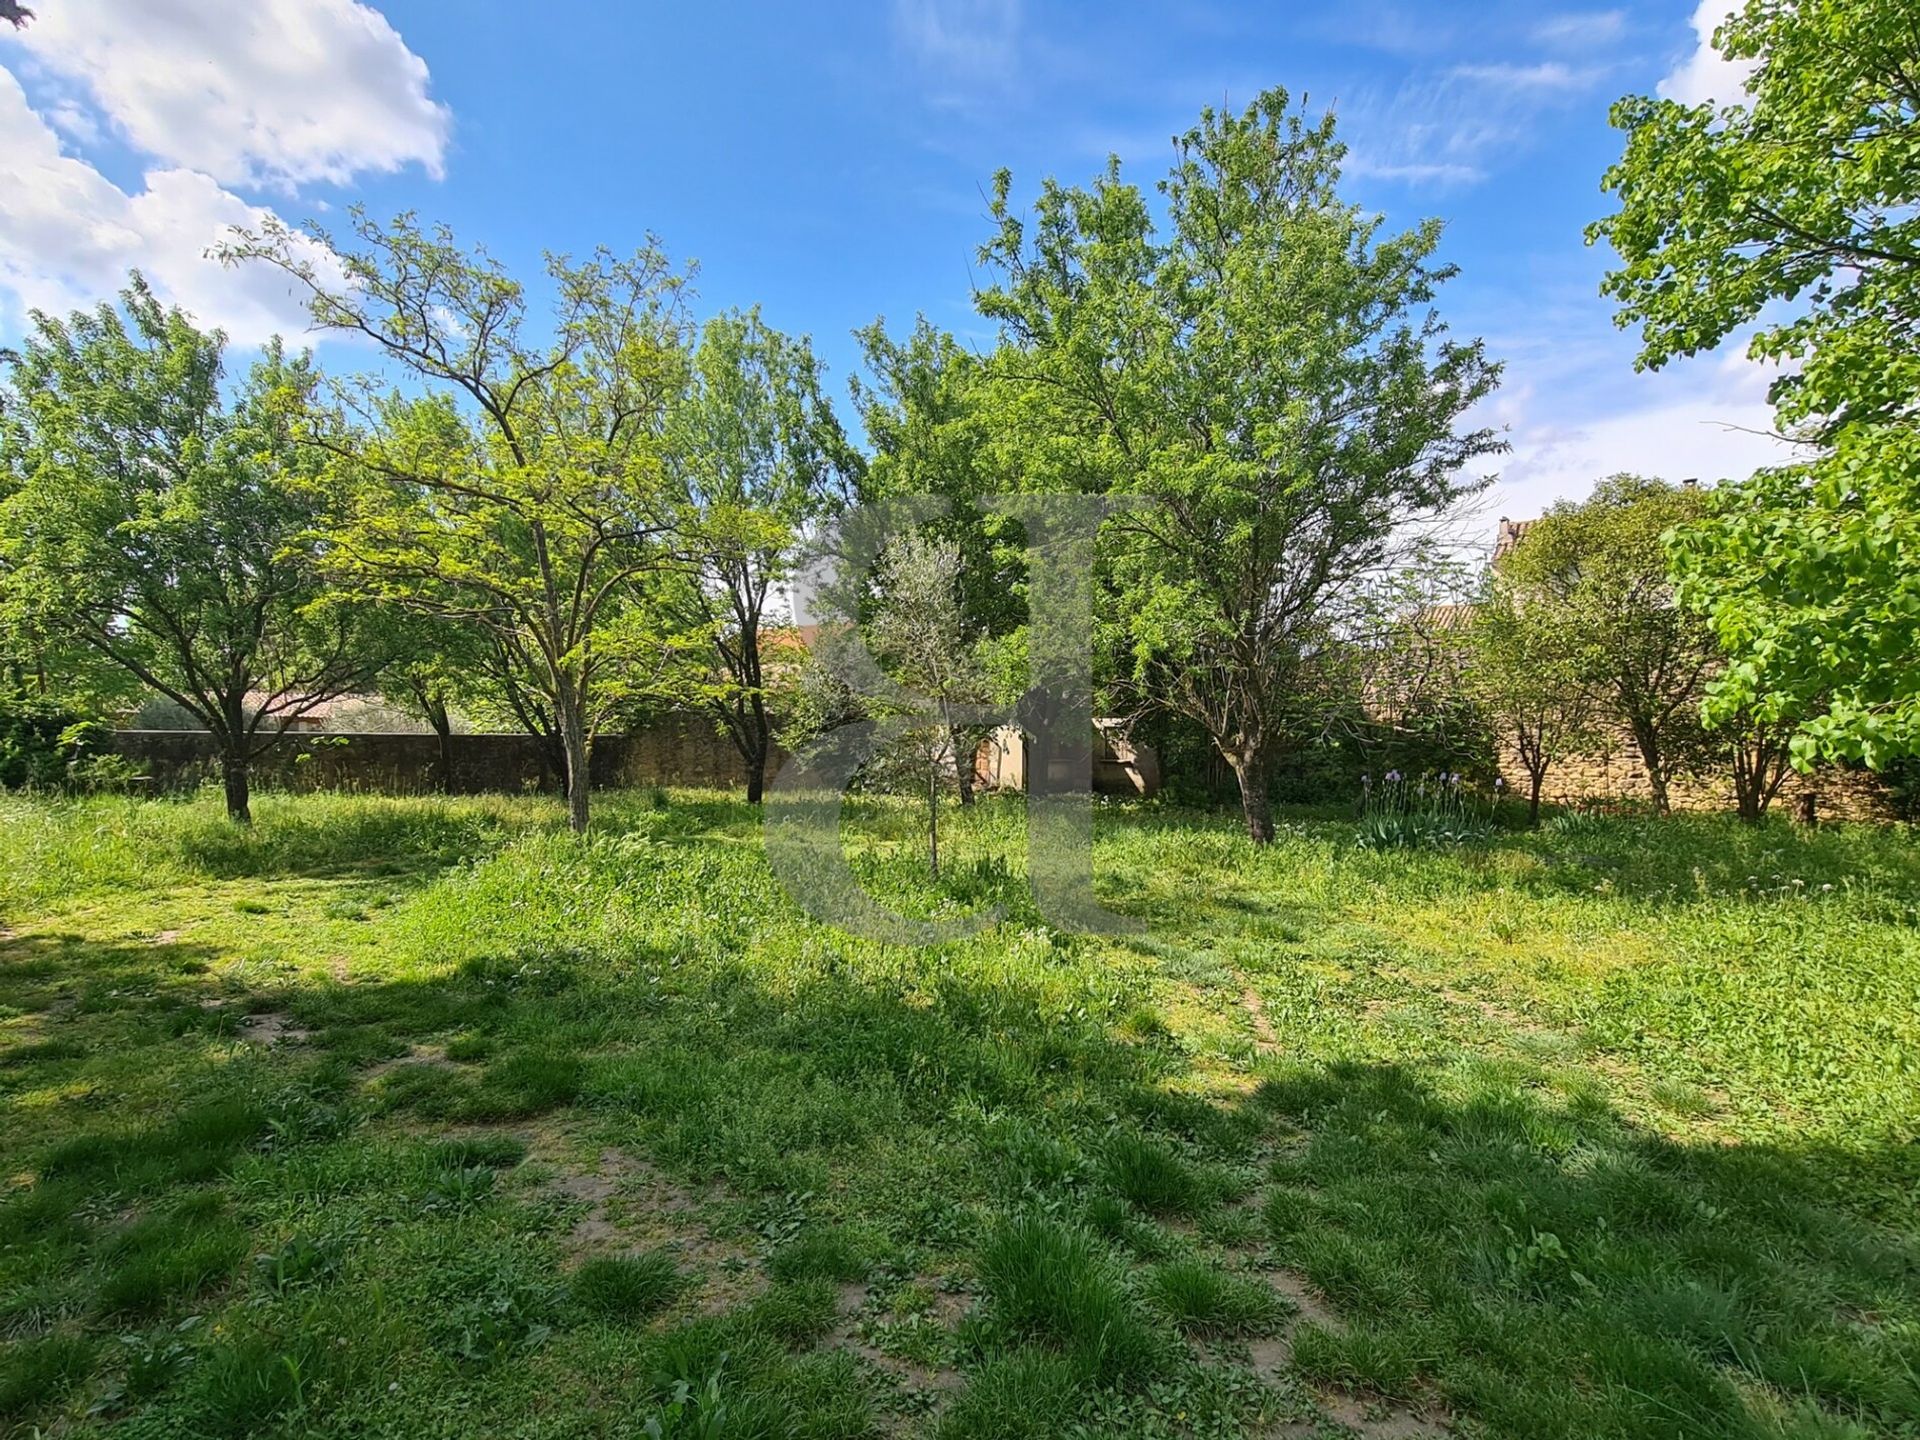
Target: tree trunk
933	819
1250	769
1535	779
443	727
1655	765
233	775
573	736
756	779
1759	770
963	774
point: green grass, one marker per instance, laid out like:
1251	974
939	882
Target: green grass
390	1114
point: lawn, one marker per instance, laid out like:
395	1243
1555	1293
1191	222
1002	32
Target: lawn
424	1118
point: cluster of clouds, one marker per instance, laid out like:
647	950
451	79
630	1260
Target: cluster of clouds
208	104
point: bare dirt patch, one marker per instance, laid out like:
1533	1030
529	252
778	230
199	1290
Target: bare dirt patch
625	1204
271	1028
923	1388
417	1054
1267	1040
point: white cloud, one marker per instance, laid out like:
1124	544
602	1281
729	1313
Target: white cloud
68	235
1448	129
1547	75
1580	30
1706	75
963	46
1414	172
1711	426
249	92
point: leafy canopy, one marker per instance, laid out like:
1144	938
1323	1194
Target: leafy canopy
1798	210
168	528
1266	368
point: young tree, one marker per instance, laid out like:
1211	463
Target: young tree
1593	576
1522	671
1269	373
434	667
918	635
1759	753
171	531
759	460
1797	209
924	407
526	491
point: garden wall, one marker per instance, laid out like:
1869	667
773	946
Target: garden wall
1614	774
676	750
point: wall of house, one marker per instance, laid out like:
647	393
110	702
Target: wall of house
675	750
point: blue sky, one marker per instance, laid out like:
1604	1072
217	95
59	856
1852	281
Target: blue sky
828	161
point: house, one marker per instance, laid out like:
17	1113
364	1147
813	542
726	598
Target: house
1121	765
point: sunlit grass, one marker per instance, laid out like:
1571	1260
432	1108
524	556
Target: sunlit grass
387	1114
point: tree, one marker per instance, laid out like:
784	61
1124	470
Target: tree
1592	576
1798	209
525	493
759	460
917	634
172	532
1523	673
1269	373
925	409
435	666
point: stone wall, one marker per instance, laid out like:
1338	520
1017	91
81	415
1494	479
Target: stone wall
676	750
1612	774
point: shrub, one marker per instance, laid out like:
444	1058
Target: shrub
44	743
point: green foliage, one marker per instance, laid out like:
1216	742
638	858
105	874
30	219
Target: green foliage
760	463
1794	209
171	529
524	492
927	411
47	745
1268	371
1590	581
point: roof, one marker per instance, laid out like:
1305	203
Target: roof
1510	534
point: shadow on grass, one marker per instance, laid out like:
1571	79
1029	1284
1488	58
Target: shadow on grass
1540	1264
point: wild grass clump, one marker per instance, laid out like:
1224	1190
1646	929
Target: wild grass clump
626	1288
1152	1175
821	1253
1202	1299
1055	1285
37	1374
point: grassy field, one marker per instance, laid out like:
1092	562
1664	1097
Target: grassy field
420	1118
